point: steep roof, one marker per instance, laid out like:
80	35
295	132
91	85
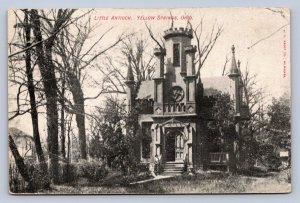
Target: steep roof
234	71
146	90
222	84
17	133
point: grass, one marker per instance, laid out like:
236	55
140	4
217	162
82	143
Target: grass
207	183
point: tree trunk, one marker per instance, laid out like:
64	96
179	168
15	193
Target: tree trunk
44	60
78	98
62	115
69	140
34	113
20	164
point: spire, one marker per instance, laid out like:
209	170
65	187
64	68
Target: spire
239	69
130	76
234	71
239	64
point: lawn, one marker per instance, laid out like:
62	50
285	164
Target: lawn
207	183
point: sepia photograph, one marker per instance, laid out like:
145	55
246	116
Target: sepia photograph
149	101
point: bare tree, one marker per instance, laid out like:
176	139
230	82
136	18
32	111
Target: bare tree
137	48
25	26
44	51
75	59
253	97
20	164
204	43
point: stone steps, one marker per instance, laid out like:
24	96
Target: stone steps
173	168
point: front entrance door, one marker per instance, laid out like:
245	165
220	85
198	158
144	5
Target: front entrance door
179	147
170	147
174	146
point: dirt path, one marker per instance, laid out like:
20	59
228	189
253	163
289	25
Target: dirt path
158	177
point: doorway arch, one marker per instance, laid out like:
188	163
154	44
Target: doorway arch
174	145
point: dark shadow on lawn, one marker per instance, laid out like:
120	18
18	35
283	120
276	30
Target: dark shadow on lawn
256	172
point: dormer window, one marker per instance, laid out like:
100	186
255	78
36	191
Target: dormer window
176	55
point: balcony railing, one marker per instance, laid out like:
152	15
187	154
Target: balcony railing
218	158
174	107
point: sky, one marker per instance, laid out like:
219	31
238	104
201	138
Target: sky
261	37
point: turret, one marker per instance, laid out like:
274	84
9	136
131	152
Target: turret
159	80
234	74
160	57
234	71
190	58
130	86
190	78
176	41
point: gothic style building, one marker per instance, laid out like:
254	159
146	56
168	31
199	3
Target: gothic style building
175	106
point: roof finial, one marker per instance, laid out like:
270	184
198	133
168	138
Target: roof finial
233	49
234	72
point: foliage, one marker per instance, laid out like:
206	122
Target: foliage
115	146
95	147
93	170
248	150
221	131
68	173
279	126
38	180
223	110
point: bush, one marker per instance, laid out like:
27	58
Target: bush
273	163
68	173
142	168
38	177
93	170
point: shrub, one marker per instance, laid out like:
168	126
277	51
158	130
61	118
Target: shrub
68	173
38	176
273	163
93	170
141	168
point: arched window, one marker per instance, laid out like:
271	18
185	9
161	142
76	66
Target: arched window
146	139
176	55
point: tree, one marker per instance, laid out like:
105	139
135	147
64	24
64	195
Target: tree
279	125
222	136
204	43
117	147
254	98
75	60
221	133
136	47
44	51
22	168
114	142
29	83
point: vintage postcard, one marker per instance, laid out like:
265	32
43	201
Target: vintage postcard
149	101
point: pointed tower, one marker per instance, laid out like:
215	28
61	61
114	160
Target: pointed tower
234	75
130	86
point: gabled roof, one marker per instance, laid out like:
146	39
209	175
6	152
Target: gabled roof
173	121
17	133
222	84
146	90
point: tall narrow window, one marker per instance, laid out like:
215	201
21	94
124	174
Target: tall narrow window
146	139
176	55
